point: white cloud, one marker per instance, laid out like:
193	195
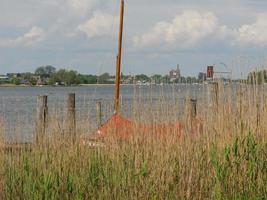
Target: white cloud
191	28
99	25
36	34
185	31
253	34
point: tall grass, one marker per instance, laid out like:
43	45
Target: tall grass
225	159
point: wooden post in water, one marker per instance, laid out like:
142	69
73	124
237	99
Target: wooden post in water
216	95
191	114
71	118
98	114
193	108
41	121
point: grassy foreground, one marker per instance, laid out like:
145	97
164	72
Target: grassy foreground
226	159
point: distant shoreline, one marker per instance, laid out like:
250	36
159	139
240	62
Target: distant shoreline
40	86
84	85
12	85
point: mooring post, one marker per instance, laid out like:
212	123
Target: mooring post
191	114
71	118
216	94
98	114
193	108
41	121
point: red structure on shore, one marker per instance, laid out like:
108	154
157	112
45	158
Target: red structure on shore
210	72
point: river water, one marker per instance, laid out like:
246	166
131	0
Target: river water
18	104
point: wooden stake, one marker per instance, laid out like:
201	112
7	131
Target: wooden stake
193	108
71	117
41	121
216	94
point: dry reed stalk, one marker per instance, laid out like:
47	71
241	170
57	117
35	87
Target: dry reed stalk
224	160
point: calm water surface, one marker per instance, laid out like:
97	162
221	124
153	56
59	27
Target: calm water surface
18	104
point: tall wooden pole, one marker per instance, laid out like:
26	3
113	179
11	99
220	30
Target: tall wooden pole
118	62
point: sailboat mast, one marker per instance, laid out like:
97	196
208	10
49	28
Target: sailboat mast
118	62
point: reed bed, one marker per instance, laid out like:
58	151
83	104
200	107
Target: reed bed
223	157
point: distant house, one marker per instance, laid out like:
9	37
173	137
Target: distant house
111	80
175	74
4	77
14	75
24	82
128	80
38	80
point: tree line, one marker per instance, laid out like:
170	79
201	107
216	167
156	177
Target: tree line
49	75
70	77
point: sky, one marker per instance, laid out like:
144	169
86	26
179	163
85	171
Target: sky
158	35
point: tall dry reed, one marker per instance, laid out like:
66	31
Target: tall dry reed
224	159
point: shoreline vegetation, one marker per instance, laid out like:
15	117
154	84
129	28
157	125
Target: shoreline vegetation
59	86
50	76
38	86
109	84
224	159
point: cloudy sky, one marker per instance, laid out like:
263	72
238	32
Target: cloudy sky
159	34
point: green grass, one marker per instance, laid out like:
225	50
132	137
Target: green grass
180	170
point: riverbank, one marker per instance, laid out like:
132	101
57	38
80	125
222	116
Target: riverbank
80	85
13	85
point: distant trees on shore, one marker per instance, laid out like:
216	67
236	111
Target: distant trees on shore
45	71
49	75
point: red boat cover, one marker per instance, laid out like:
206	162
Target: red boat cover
122	128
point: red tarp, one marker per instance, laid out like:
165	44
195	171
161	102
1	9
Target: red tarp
122	128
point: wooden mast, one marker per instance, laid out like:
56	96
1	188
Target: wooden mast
118	62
